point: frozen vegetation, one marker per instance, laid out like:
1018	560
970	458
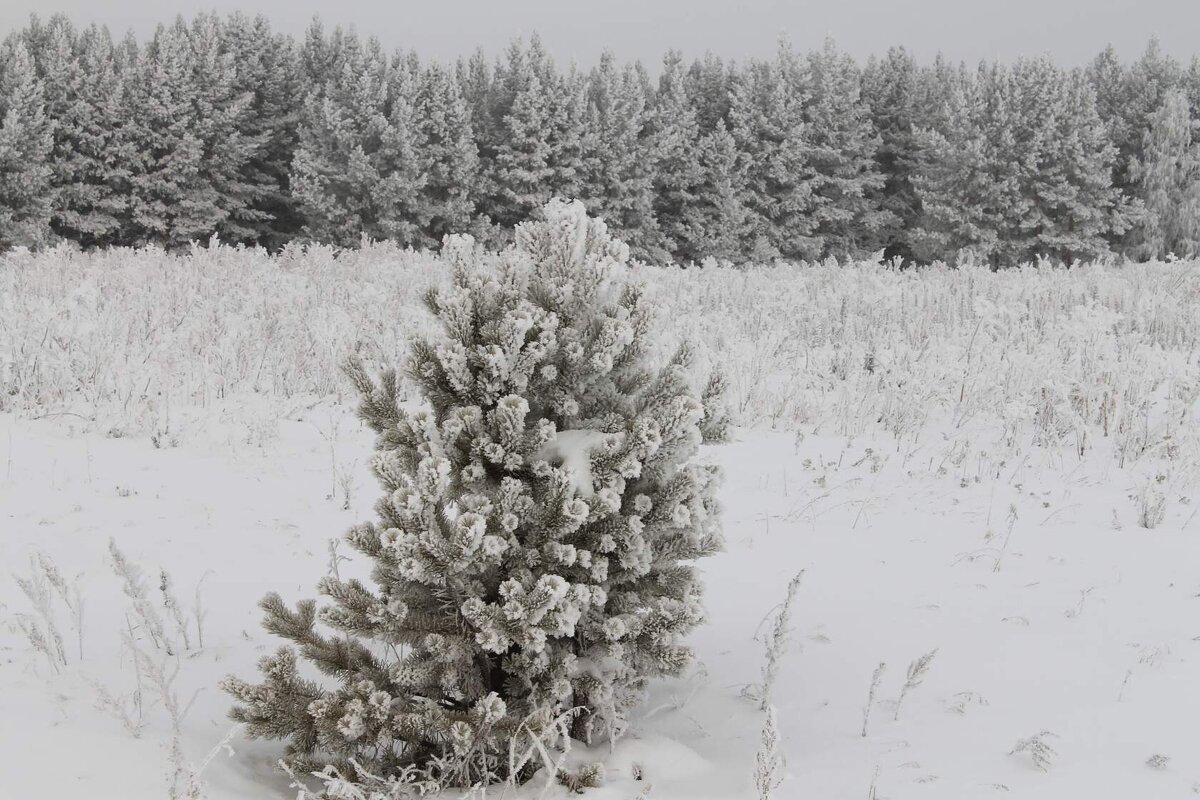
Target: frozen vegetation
225	125
987	478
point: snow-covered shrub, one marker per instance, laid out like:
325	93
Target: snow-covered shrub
540	515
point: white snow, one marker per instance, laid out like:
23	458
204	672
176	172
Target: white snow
1084	630
959	460
572	449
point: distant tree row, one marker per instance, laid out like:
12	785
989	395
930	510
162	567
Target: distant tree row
223	126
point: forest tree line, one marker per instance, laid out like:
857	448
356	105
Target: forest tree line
224	126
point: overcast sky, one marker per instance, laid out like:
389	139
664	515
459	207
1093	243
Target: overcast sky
1070	30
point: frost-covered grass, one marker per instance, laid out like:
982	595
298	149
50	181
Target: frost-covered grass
1097	357
960	461
135	340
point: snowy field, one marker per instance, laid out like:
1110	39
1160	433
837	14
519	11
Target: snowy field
999	467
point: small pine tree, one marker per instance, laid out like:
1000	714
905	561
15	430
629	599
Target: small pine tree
534	547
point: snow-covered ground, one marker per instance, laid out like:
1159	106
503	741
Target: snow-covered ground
1049	607
1001	468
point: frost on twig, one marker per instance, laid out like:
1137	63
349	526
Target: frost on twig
1041	753
776	645
876	677
768	761
914	678
43	583
1158	761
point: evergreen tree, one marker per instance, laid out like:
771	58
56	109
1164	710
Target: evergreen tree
1127	98
1170	177
537	141
171	200
1074	180
85	106
617	181
677	173
1006	160
26	142
475	83
1096	211
316	57
892	89
534	547
399	178
721	219
484	96
355	172
842	147
709	85
230	136
522	172
768	125
449	160
1110	80
566	101
1191	83
266	69
953	181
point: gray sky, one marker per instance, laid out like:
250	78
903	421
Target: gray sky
1070	30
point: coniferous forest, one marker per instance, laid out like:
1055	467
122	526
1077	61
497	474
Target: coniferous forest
222	126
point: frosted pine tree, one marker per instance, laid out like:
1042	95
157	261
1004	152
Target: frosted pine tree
1088	210
224	121
1170	177
395	159
25	145
952	178
675	135
351	143
91	153
449	159
893	90
533	553
1191	84
520	168
843	145
267	68
171	203
538	137
767	122
721	220
1127	98
709	86
617	181
566	99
